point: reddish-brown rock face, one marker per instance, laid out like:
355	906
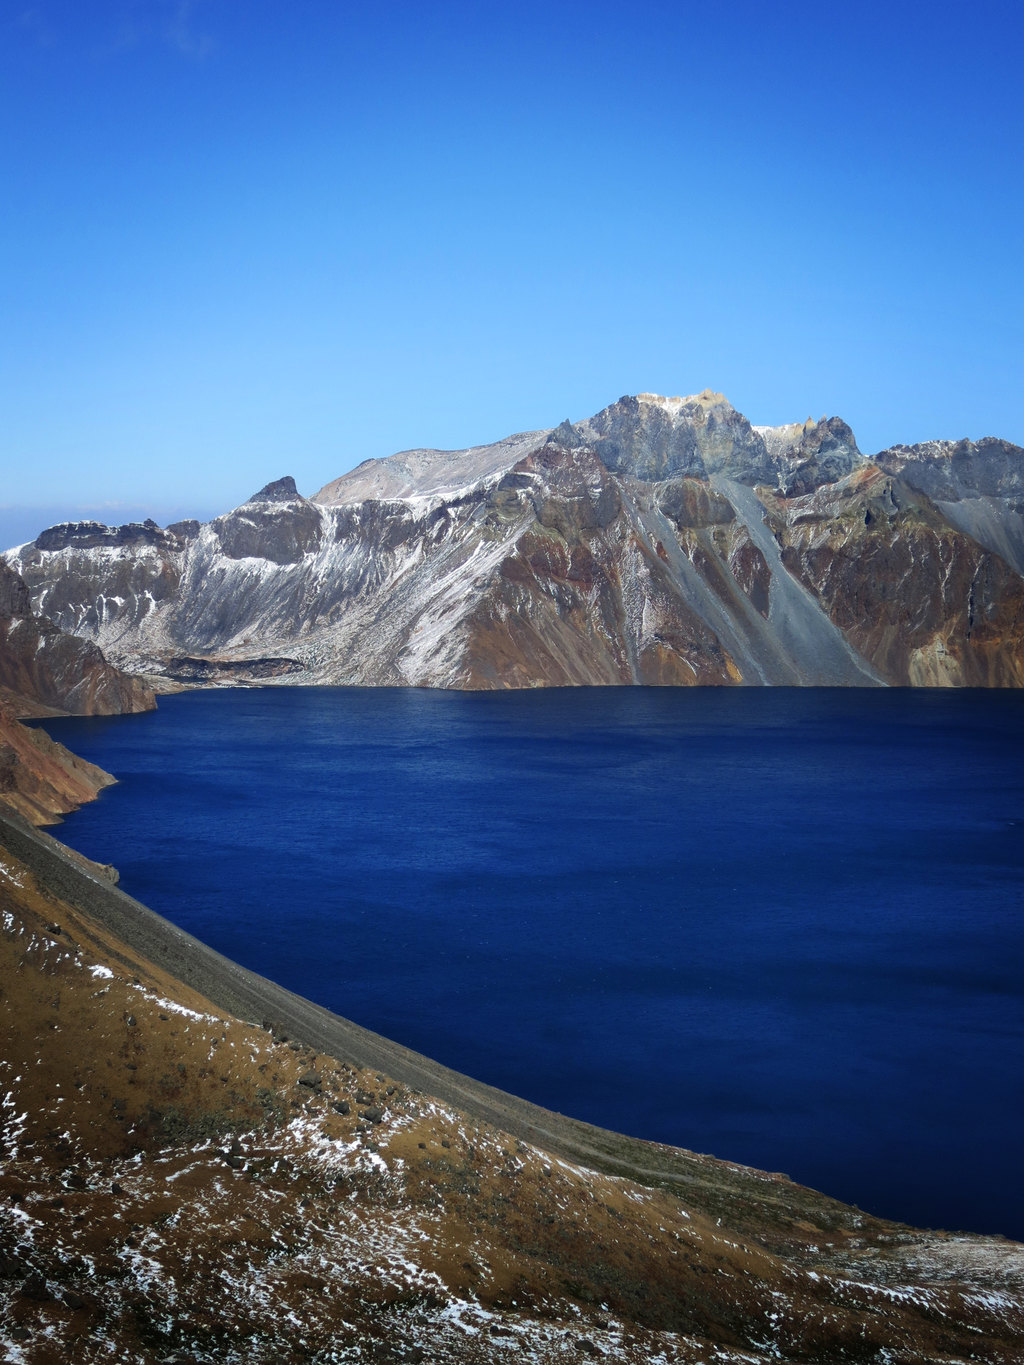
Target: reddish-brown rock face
924	603
585	596
750	569
44	672
39	778
42	664
561	615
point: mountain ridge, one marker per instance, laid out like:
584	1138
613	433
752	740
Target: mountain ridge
663	541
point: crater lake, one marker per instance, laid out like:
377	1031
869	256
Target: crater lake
785	927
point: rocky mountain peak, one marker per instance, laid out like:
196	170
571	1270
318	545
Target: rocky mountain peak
652	438
280	490
88	535
953	470
694	402
566	436
276	524
645	436
808	454
632	546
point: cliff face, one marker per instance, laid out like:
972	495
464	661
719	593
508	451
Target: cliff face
49	670
977	486
39	778
44	671
662	541
202	1166
924	603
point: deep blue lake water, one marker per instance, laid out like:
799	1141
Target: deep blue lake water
785	927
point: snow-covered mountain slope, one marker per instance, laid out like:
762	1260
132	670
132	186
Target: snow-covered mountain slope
662	541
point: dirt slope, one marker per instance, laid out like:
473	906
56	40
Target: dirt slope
39	778
186	1180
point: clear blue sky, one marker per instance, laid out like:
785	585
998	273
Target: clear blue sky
243	238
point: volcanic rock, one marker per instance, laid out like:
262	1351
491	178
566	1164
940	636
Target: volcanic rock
44	671
663	541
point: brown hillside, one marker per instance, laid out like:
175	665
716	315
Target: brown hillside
179	1184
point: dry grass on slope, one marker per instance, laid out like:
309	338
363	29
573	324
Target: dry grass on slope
178	1185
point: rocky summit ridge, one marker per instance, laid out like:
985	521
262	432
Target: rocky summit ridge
663	541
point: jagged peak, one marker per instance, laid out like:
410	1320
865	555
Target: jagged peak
280	490
648	435
789	437
565	435
707	398
953	470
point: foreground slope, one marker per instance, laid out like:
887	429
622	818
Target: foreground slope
664	541
199	1166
